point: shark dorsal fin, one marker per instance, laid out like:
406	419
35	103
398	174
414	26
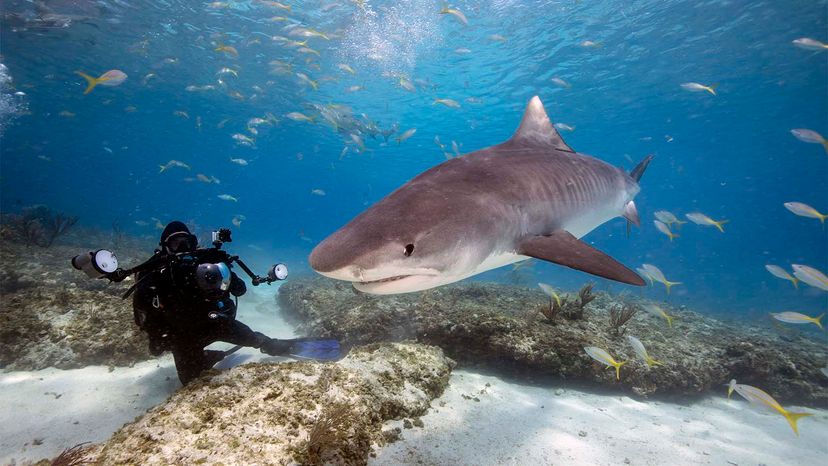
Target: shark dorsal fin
536	129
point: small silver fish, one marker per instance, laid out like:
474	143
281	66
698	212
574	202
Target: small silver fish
641	351
804	210
696	87
810	136
656	274
758	397
173	163
447	102
668	218
601	355
790	317
407	134
243	140
779	272
560	82
810	44
296	116
700	219
810	276
662	227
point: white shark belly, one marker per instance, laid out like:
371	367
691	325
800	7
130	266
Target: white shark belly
494	261
591	219
578	226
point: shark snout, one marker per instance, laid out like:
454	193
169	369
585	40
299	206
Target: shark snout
334	259
323	258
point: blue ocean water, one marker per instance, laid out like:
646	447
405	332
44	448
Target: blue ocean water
731	156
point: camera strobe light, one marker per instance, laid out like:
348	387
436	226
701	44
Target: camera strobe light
278	272
96	264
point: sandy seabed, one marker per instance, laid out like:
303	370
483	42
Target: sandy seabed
480	419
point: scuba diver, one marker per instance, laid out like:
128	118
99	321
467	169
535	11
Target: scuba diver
184	301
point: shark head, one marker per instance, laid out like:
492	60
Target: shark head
404	244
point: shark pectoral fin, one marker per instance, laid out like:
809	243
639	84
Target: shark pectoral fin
562	248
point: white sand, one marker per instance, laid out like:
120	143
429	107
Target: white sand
62	408
511	424
518	424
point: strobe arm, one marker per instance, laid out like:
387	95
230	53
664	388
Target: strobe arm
120	274
276	273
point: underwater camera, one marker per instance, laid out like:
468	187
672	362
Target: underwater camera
96	264
211	265
222	235
213	277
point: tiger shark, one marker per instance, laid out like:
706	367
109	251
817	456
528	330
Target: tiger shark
531	196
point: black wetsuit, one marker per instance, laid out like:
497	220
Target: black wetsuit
179	316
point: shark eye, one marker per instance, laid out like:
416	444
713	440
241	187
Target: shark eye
409	248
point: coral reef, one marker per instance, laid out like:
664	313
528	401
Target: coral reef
53	315
35	226
619	315
71	456
551	310
499	328
297	412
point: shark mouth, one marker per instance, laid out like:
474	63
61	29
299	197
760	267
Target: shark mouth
384	280
400	283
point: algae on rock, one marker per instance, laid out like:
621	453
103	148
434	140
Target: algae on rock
499	328
296	412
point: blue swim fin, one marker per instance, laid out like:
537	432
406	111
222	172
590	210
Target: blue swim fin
323	349
315	348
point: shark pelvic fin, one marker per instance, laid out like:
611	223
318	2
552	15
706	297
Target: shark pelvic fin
536	129
631	214
562	248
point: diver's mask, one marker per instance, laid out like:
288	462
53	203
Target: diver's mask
181	242
213	277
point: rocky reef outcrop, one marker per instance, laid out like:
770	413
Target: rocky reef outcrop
55	316
296	412
508	330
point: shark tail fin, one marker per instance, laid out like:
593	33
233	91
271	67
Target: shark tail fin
639	169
